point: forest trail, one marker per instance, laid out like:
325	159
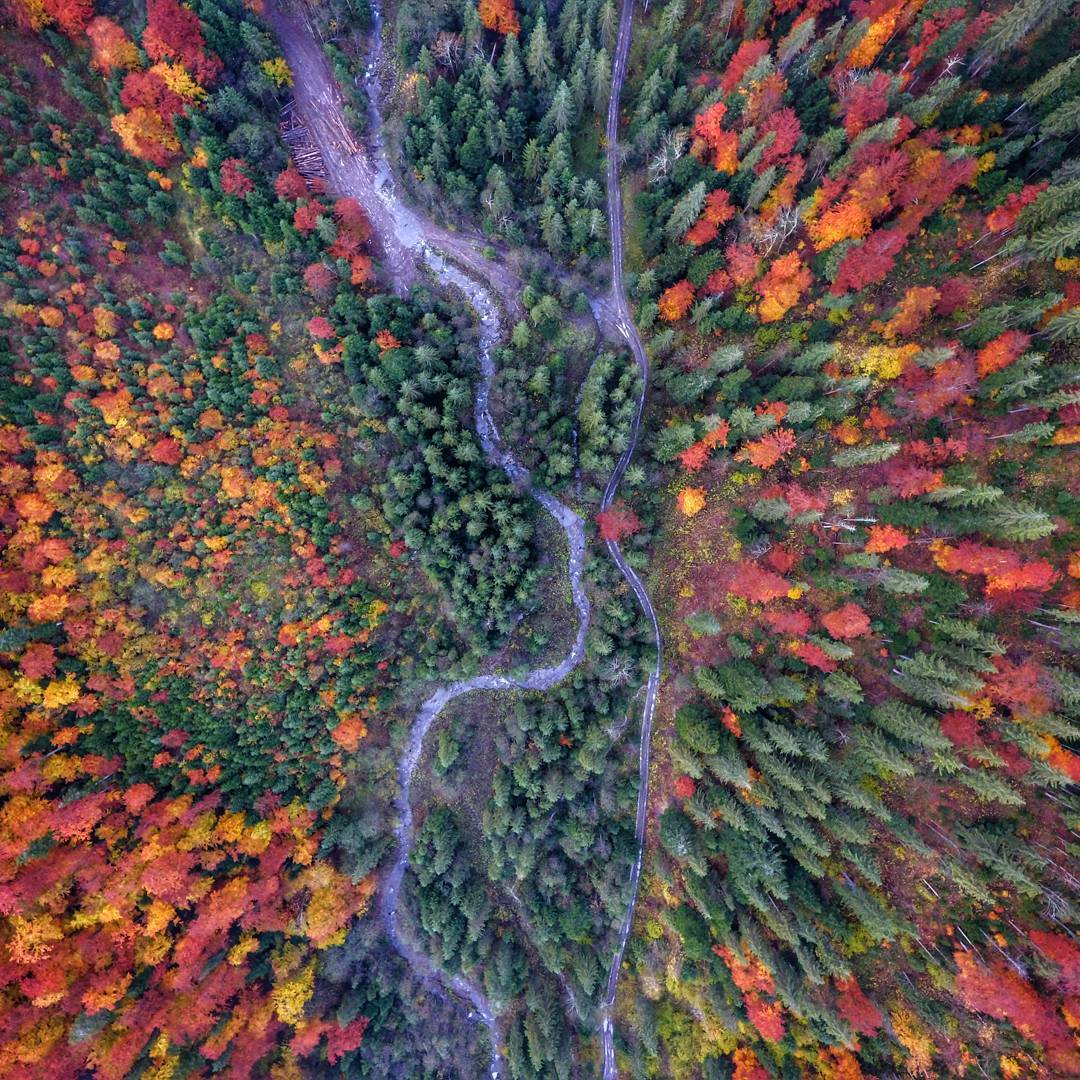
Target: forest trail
625	325
409	242
404	237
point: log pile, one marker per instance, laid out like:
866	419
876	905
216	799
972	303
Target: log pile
305	153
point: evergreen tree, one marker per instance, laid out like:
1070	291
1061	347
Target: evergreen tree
511	74
539	61
600	81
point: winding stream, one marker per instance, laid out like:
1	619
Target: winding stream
408	243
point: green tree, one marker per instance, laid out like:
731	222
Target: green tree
539	61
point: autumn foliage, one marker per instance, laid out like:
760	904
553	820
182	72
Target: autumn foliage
769	449
182	70
1001	352
884	283
711	140
500	16
156	906
174	33
849	621
716	212
617	521
691	501
783	284
999	990
111	46
757	584
234	178
695	456
676	301
854	502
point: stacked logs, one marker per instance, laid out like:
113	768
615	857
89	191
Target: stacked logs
305	153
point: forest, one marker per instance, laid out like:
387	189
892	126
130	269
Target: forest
864	863
252	525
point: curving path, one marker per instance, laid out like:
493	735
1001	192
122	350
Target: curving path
406	239
625	325
410	243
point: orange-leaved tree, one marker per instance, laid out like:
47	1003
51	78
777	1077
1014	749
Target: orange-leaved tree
500	16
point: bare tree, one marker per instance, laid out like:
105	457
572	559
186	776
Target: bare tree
447	49
671	149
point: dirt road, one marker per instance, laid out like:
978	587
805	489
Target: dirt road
411	245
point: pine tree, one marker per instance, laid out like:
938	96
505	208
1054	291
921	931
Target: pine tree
539	61
1065	327
842	687
552	229
854	34
648	97
488	82
865	455
1018	522
698	729
990	787
795	42
1064	120
756	13
1052	81
667	26
869	912
600	81
561	113
902	582
1014	24
906	722
606	21
1049	206
532	160
579	73
1057	240
568	29
880	755
680	839
256	42
685	212
425	64
472	28
511	74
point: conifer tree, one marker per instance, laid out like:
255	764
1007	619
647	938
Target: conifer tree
539	61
